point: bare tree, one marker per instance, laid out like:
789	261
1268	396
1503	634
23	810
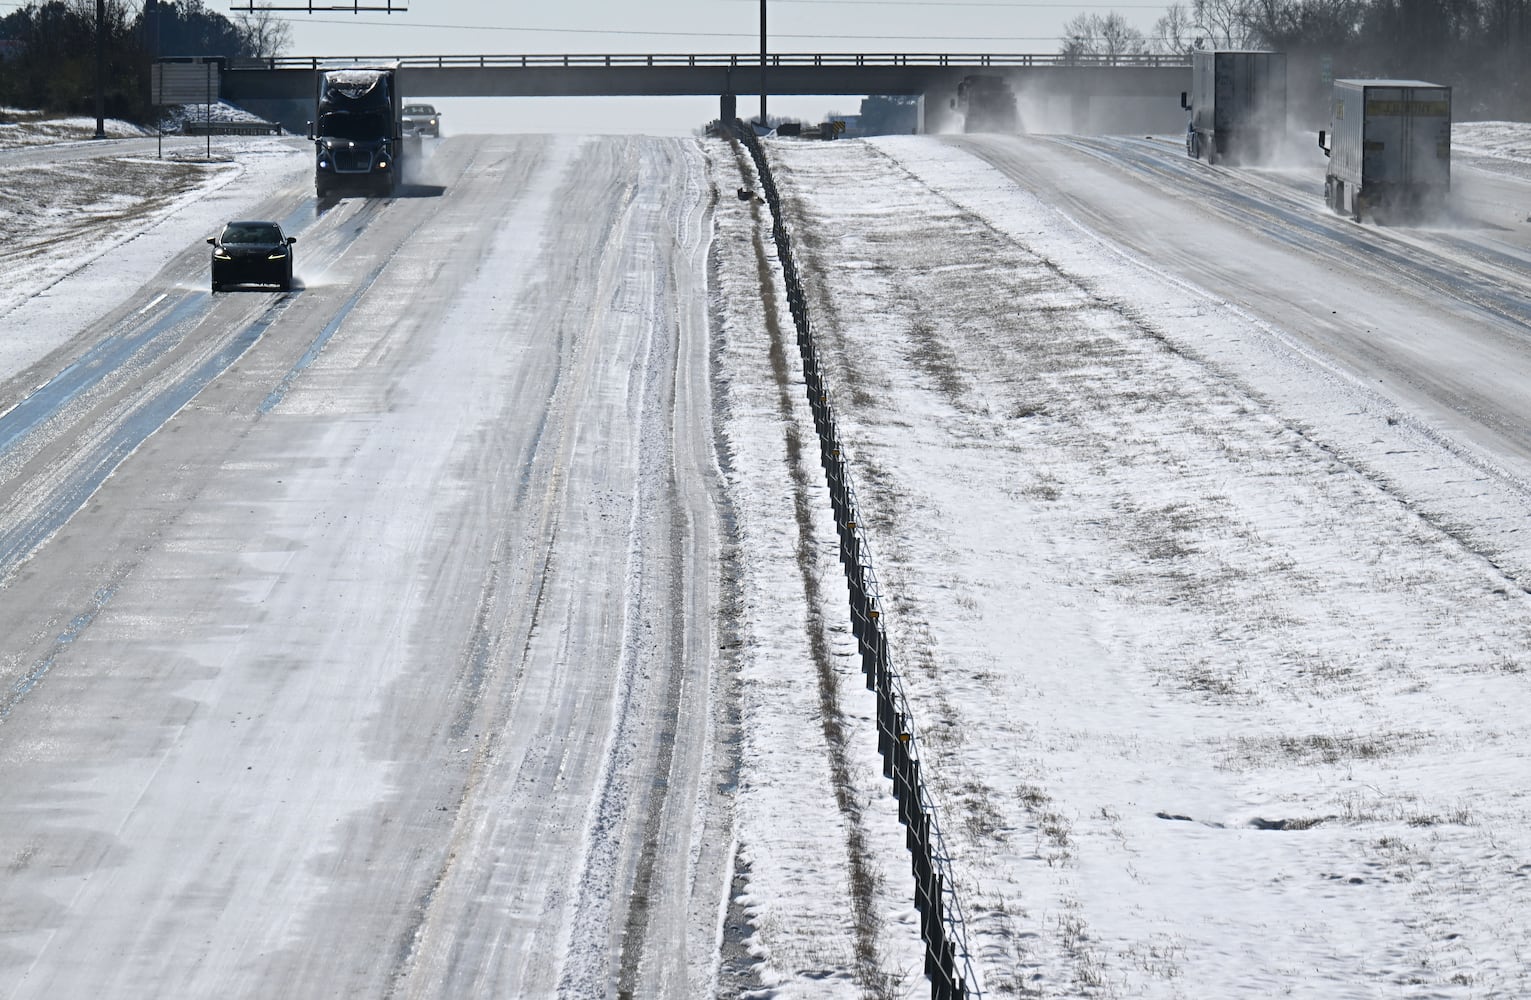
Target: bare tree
1110	37
1301	24
1479	46
264	34
1078	39
1226	24
1120	38
1175	33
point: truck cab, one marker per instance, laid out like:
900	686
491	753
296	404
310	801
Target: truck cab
356	132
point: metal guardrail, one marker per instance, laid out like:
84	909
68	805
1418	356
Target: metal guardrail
732	61
190	127
943	925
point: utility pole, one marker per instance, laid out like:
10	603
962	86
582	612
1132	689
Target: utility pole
101	68
151	45
763	123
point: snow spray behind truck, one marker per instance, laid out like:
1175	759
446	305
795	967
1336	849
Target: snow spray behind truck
1238	106
1389	148
356	131
987	104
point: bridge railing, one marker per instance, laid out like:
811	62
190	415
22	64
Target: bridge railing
730	60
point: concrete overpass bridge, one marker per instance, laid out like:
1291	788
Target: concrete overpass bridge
1056	93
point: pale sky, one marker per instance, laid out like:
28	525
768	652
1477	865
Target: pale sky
478	27
469	26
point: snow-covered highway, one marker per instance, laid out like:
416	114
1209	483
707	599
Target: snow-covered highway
468	622
1439	314
348	633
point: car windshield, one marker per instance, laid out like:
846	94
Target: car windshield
252	232
419	109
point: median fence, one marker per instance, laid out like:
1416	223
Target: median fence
948	963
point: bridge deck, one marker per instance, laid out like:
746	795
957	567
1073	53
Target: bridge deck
980	60
628	75
1120	87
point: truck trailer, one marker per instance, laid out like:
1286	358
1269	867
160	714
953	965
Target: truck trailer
1389	148
1237	103
357	131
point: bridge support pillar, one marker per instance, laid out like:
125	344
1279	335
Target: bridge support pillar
1080	110
728	107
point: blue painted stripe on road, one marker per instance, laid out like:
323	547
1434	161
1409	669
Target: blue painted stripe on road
275	397
90	369
77	625
19	541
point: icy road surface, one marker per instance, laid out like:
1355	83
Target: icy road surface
452	625
1202	513
358	642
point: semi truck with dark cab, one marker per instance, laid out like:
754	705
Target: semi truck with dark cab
1389	149
356	131
1237	103
987	104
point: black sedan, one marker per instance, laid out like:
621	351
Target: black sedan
250	252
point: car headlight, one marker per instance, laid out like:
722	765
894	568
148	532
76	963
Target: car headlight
277	255
221	254
382	164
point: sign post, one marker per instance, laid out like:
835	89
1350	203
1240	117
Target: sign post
186	80
101	68
763	123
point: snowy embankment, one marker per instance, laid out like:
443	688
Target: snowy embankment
1211	709
27	128
86	232
1502	140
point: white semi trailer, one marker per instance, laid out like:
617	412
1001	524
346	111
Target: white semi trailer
1389	148
1237	103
